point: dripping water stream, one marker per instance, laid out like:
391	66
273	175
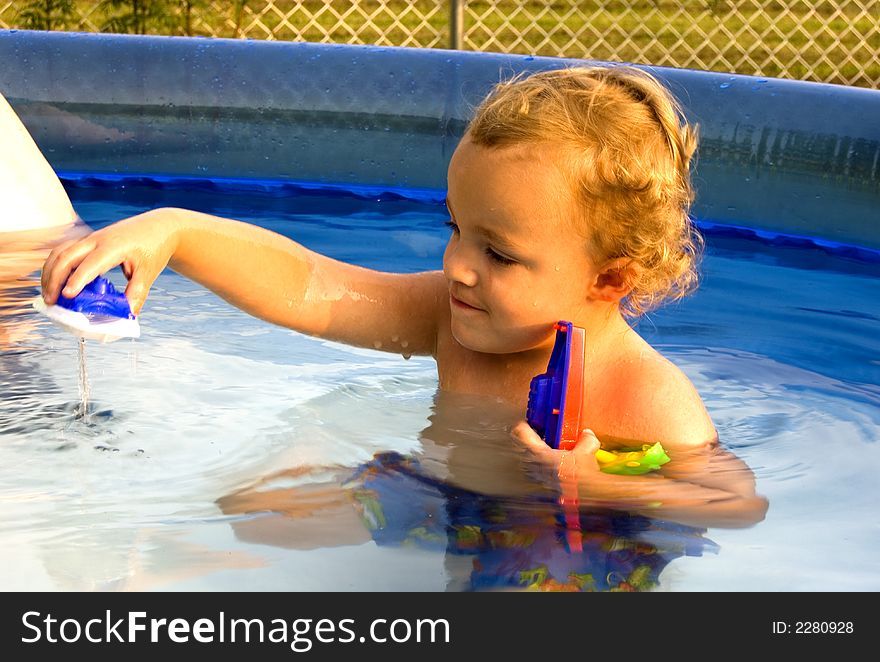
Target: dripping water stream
82	413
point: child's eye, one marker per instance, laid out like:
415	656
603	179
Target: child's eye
452	225
499	258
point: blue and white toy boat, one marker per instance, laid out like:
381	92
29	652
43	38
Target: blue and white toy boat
99	312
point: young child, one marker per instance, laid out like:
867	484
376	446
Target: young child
568	199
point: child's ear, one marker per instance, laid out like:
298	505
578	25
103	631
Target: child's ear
615	279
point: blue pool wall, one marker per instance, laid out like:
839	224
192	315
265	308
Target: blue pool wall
776	155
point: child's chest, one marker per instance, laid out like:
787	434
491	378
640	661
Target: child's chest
462	371
607	410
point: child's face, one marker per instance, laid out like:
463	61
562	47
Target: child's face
514	263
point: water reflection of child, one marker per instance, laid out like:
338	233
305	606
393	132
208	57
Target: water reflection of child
489	542
511	543
568	199
498	529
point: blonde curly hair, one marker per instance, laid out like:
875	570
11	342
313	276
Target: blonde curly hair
628	151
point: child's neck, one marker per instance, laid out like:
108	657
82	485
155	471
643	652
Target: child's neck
507	376
604	327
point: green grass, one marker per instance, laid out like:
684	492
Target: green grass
782	39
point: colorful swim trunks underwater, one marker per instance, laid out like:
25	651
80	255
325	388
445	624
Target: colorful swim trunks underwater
515	543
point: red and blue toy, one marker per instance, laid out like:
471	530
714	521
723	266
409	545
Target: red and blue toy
556	397
556	406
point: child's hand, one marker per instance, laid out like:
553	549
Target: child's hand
143	245
724	502
576	465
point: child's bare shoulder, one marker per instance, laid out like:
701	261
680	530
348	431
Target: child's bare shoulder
650	399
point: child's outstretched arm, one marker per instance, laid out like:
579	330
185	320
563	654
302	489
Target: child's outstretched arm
261	272
703	487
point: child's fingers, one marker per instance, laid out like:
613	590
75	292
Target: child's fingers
567	464
588	443
63	259
49	266
524	433
585	451
92	265
544	464
137	290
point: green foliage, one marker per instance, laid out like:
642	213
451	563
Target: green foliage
135	16
238	15
185	15
833	42
150	16
47	14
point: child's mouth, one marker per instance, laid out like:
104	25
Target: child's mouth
458	303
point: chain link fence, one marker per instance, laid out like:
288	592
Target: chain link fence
819	40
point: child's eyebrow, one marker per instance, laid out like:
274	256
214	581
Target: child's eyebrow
496	239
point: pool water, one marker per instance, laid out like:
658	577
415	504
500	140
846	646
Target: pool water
212	412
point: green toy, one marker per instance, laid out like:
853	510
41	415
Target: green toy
632	462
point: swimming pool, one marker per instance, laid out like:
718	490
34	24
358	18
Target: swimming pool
781	341
211	401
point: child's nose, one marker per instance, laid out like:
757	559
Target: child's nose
457	267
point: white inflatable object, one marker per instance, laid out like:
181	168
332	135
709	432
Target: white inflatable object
103	328
31	196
